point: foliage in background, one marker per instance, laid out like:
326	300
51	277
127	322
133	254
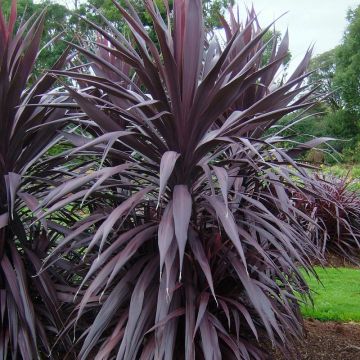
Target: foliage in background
324	66
348	63
340	125
212	9
336	77
342	171
60	20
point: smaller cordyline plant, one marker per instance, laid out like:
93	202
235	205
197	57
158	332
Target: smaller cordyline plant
336	210
29	304
192	245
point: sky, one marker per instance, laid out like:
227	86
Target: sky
319	22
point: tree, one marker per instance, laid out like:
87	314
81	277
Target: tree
211	10
57	22
347	74
61	20
324	66
336	76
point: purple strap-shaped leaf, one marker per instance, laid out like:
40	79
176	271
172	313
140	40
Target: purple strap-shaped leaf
210	341
308	145
4	218
201	258
190	321
12	17
33	204
113	341
165	233
204	300
174	314
167	165
223	179
105	256
108	311
107	137
94	112
240	308
108	224
75	139
259	300
226	311
139	306
192	49
27	305
12	181
170	263
182	205
163	335
228	223
129	250
105	175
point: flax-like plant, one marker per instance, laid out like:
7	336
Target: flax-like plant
28	303
193	244
336	210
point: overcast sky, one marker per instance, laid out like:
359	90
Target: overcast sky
309	21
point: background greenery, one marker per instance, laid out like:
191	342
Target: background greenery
337	75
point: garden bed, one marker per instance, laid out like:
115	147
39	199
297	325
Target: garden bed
328	341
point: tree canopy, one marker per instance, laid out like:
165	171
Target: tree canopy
62	24
58	23
347	74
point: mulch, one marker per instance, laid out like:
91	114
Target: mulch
328	341
333	260
338	261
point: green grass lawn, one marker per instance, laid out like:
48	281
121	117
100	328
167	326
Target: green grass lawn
338	298
341	170
351	171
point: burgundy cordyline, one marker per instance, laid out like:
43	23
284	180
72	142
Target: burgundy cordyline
335	208
29	305
190	244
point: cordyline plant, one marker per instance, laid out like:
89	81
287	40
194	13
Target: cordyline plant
28	303
336	210
192	245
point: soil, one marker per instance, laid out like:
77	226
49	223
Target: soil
328	341
339	261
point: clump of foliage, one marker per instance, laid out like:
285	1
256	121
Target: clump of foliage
192	244
29	305
336	210
336	77
211	11
348	63
340	125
